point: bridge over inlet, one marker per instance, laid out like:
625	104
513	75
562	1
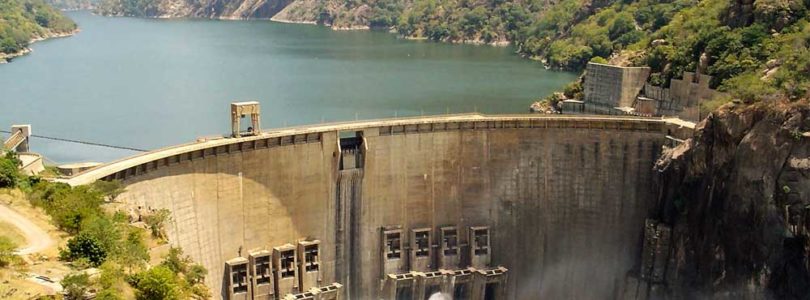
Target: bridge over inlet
406	207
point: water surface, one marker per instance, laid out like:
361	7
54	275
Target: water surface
148	83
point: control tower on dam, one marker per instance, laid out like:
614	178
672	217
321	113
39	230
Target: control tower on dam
473	206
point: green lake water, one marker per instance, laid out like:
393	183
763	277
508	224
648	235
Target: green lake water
149	83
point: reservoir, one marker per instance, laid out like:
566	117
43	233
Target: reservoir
149	83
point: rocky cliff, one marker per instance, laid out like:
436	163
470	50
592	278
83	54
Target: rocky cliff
215	9
734	210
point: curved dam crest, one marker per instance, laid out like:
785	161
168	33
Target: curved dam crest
540	206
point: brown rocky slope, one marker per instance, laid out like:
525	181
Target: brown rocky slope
214	9
737	199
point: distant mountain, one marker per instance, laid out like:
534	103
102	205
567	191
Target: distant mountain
73	4
23	21
215	9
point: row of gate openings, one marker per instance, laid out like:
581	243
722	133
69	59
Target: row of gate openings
461	284
458	265
422	255
287	272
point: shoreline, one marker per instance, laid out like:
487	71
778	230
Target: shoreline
8	57
286	21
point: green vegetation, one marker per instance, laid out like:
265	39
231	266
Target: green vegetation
76	285
761	54
156	223
158	283
72	4
85	246
138	8
10	176
175	278
11	232
749	52
24	20
105	240
7	248
488	21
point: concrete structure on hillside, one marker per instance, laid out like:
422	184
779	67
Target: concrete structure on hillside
615	90
683	98
609	86
18	141
475	206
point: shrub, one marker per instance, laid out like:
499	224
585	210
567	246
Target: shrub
574	89
175	261
156	222
158	283
9	170
104	230
75	286
109	294
85	246
599	60
748	87
196	274
134	252
68	206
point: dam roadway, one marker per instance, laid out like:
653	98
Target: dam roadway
540	206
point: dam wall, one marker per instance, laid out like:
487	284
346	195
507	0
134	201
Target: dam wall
560	201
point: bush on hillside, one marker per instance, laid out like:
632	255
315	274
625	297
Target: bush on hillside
9	170
84	246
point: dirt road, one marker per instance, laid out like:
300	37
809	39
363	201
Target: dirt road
37	238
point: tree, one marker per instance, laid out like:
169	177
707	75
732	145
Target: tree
85	246
68	206
623	23
158	283
104	230
9	170
134	252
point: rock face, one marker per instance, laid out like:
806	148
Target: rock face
215	9
737	199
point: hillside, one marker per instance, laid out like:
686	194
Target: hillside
73	4
749	49
23	21
247	9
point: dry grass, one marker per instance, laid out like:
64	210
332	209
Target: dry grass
11	232
14	285
13	280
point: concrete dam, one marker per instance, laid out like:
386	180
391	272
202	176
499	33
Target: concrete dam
473	206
